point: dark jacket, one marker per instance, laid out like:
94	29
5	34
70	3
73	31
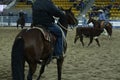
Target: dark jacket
21	14
43	12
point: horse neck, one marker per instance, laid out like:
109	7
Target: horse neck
96	23
93	21
63	26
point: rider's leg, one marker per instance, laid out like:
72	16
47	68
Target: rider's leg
55	29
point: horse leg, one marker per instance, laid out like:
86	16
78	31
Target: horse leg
81	40
31	26
97	41
21	26
59	67
32	68
17	25
91	40
41	70
76	38
109	30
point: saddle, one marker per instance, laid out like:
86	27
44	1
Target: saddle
104	24
46	33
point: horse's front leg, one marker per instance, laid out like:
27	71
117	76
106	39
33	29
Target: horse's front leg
17	25
22	26
59	67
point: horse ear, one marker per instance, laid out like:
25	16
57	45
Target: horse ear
89	15
70	8
61	8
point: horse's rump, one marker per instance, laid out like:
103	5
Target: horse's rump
107	26
104	24
37	46
101	24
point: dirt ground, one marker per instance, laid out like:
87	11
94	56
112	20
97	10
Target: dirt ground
81	63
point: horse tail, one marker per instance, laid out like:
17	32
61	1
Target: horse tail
109	29
17	59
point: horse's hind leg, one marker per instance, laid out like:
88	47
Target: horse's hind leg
32	69
91	40
81	40
97	41
76	38
59	67
41	70
109	30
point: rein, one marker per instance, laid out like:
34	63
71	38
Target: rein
62	26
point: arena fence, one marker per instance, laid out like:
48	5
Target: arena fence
11	21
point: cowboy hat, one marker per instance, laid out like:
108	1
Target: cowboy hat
100	10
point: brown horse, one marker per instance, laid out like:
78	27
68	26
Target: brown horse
32	46
101	24
21	22
89	32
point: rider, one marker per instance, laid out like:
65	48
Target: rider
102	15
21	13
102	18
84	21
43	12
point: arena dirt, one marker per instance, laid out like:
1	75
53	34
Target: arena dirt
81	63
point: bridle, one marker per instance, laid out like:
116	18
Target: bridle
62	26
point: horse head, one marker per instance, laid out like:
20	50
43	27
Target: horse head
96	24
70	18
90	20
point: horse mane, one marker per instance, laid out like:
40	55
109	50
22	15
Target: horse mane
96	23
68	19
